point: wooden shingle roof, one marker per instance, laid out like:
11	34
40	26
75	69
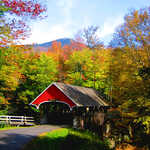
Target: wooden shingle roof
82	96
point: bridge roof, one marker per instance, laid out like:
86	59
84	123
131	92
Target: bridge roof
71	95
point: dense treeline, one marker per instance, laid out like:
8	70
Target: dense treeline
121	73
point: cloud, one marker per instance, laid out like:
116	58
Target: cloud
59	31
110	25
44	35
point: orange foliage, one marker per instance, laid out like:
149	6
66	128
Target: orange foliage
128	147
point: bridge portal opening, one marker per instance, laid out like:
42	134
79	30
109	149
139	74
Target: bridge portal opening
55	112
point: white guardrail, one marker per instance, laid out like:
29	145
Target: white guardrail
17	120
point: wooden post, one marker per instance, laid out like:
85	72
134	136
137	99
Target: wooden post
22	119
82	123
25	121
7	119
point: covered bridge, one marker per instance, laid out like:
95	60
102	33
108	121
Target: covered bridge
81	100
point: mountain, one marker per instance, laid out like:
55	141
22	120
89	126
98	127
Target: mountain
43	47
63	41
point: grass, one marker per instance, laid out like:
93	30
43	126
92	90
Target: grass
7	128
4	126
67	139
12	127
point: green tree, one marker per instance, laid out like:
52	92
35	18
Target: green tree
9	73
89	68
130	93
37	73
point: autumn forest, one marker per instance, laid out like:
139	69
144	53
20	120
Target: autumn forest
119	71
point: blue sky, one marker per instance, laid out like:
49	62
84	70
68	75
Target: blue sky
67	17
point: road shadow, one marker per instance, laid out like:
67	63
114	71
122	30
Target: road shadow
12	141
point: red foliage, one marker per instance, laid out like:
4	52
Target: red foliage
75	45
65	51
83	77
19	30
56	46
3	42
24	7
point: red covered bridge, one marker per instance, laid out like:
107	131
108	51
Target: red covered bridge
86	105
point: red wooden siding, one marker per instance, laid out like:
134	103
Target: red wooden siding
53	93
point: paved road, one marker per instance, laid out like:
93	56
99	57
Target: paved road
15	139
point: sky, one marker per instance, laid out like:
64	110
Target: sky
66	17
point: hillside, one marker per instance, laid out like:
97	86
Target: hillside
44	46
63	41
